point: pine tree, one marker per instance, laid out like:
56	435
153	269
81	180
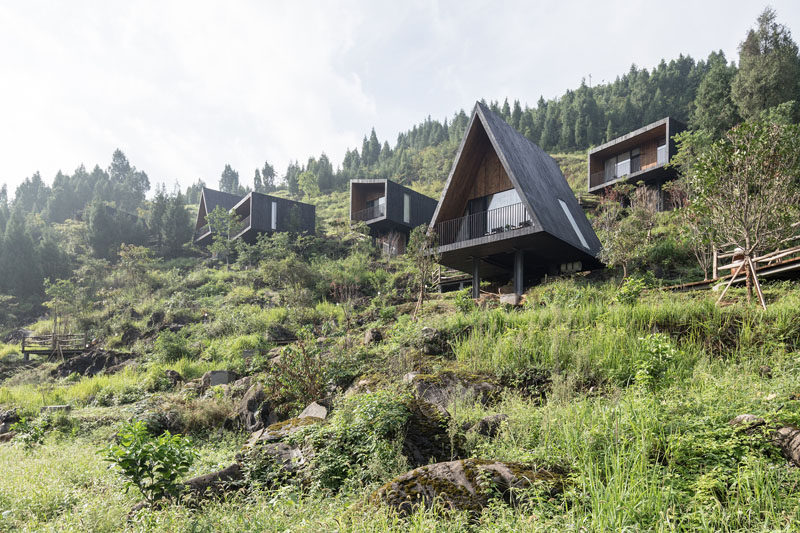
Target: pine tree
769	68
229	181
714	109
268	177
258	185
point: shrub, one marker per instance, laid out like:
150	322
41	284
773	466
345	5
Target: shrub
29	434
630	290
464	301
152	464
171	346
656	354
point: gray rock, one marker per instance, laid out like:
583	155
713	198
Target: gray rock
280	430
253	411
746	420
173	377
765	371
510	299
788	440
408	378
314	410
55	408
215	483
373	336
212	378
6	437
464	485
441	389
489	425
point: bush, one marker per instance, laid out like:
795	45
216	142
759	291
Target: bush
464	301
630	290
152	464
171	346
29	434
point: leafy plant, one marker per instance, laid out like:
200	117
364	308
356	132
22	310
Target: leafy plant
464	301
154	465
29	434
630	290
171	346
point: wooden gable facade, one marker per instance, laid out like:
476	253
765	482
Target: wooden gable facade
506	210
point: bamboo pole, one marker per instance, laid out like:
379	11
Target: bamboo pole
728	286
757	284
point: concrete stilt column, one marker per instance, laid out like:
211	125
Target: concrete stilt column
519	279
476	278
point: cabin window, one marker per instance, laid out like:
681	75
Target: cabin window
378	207
623	164
636	160
574	224
274	224
661	152
406	208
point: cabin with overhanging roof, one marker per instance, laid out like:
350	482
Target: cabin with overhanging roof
390	210
507	212
641	156
258	213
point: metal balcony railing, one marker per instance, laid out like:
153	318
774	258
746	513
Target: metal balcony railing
491	222
377	210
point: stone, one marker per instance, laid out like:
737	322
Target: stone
746	420
6	437
426	438
215	483
489	425
253	412
440	389
464	485
173	377
55	408
373	336
510	299
280	430
314	410
788	440
130	335
91	363
409	378
212	378
765	371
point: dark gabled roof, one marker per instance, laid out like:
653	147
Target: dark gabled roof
214	199
535	175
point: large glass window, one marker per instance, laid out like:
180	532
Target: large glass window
661	153
636	160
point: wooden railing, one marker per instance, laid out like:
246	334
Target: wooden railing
377	210
53	344
491	222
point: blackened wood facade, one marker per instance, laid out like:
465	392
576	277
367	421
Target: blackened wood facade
390	210
506	210
258	213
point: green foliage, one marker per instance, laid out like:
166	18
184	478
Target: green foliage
464	302
631	289
154	465
359	445
171	346
298	377
656	354
29	433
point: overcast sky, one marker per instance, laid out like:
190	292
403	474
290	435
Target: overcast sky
185	87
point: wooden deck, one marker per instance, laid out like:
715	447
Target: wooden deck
59	345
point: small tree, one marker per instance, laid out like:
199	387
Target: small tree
63	299
424	255
224	225
745	186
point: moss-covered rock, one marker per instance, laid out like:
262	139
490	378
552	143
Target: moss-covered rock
442	388
280	430
464	485
426	438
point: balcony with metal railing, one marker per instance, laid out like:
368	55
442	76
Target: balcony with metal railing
376	211
492	223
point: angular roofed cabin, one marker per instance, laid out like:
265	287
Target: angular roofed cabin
390	210
507	212
639	156
259	213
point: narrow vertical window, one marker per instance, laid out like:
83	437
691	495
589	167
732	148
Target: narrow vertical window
274	213
406	208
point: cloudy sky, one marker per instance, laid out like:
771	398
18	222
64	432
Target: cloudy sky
185	87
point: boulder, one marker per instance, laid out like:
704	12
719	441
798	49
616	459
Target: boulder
130	335
510	299
6	437
212	378
280	430
279	333
788	440
7	419
463	485
441	389
215	483
426	438
488	425
173	377
433	342
314	410
373	336
253	411
746	420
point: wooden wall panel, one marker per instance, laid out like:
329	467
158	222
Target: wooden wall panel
649	154
490	177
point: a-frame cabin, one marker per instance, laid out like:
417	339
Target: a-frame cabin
210	199
507	212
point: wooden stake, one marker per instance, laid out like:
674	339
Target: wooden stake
728	286
757	284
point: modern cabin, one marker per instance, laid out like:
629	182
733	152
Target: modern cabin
390	210
639	156
507	212
259	213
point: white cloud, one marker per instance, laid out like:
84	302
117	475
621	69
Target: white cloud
184	87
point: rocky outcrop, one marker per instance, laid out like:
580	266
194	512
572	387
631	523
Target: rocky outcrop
7	419
488	426
426	438
253	411
212	378
441	389
280	431
215	483
91	363
464	485
788	440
